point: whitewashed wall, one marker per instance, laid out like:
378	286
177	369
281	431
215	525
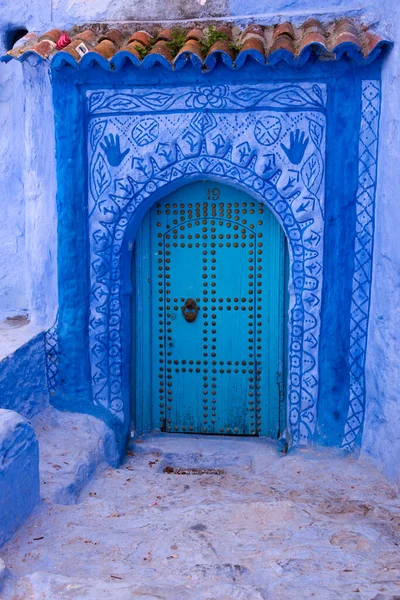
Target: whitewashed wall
381	439
27	178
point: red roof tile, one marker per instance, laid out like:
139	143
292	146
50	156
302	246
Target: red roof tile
204	47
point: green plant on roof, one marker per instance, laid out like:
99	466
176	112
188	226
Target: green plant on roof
177	41
141	50
236	47
144	50
210	37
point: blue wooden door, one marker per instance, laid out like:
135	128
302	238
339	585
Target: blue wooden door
209	271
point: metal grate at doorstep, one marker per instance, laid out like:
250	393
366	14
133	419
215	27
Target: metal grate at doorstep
194	471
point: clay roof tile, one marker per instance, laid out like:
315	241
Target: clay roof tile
112	35
51	35
312	33
222	46
343	36
253	43
225	30
284	29
140	36
254	29
133	49
194	34
44	48
283	42
165	34
161	48
106	48
87	35
371	40
191	46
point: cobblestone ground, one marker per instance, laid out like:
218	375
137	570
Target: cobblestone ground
310	524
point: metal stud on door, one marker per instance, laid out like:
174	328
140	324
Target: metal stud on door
217	294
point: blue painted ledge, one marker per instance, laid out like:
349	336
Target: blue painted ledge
23	382
19	472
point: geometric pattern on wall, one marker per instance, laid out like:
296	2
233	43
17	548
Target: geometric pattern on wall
52	354
269	140
360	302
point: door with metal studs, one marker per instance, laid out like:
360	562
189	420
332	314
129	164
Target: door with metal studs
209	308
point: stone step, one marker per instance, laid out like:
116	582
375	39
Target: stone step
72	446
41	585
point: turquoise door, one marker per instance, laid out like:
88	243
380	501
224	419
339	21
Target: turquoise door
209	314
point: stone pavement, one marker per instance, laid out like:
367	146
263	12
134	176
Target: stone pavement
169	525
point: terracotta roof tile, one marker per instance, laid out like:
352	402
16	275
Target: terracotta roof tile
253	43
191	51
191	47
71	49
114	36
165	34
105	48
45	48
284	28
141	36
112	48
283	42
254	32
194	34
313	33
345	32
86	36
132	49
372	40
51	35
225	30
160	53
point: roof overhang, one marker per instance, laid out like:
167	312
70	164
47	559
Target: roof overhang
204	46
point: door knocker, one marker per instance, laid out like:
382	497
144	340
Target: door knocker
190	310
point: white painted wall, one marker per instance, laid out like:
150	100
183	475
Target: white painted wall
27	178
381	439
13	274
81	11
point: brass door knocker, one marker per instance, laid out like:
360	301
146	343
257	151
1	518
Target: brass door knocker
190	310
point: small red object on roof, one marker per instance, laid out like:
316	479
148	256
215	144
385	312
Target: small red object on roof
63	41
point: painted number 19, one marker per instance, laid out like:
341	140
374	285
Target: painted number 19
213	194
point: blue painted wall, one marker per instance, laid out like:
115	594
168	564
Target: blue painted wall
344	83
23	380
19	472
17	107
28	261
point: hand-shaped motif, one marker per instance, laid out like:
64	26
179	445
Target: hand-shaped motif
112	150
298	145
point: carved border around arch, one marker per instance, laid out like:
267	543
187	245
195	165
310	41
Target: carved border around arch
267	139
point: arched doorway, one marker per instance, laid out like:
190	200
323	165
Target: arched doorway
209	315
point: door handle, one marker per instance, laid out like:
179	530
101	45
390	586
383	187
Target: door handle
190	310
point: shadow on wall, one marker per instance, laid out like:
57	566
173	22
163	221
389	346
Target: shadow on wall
23	383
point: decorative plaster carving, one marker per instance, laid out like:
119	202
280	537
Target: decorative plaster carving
360	304
52	353
268	139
